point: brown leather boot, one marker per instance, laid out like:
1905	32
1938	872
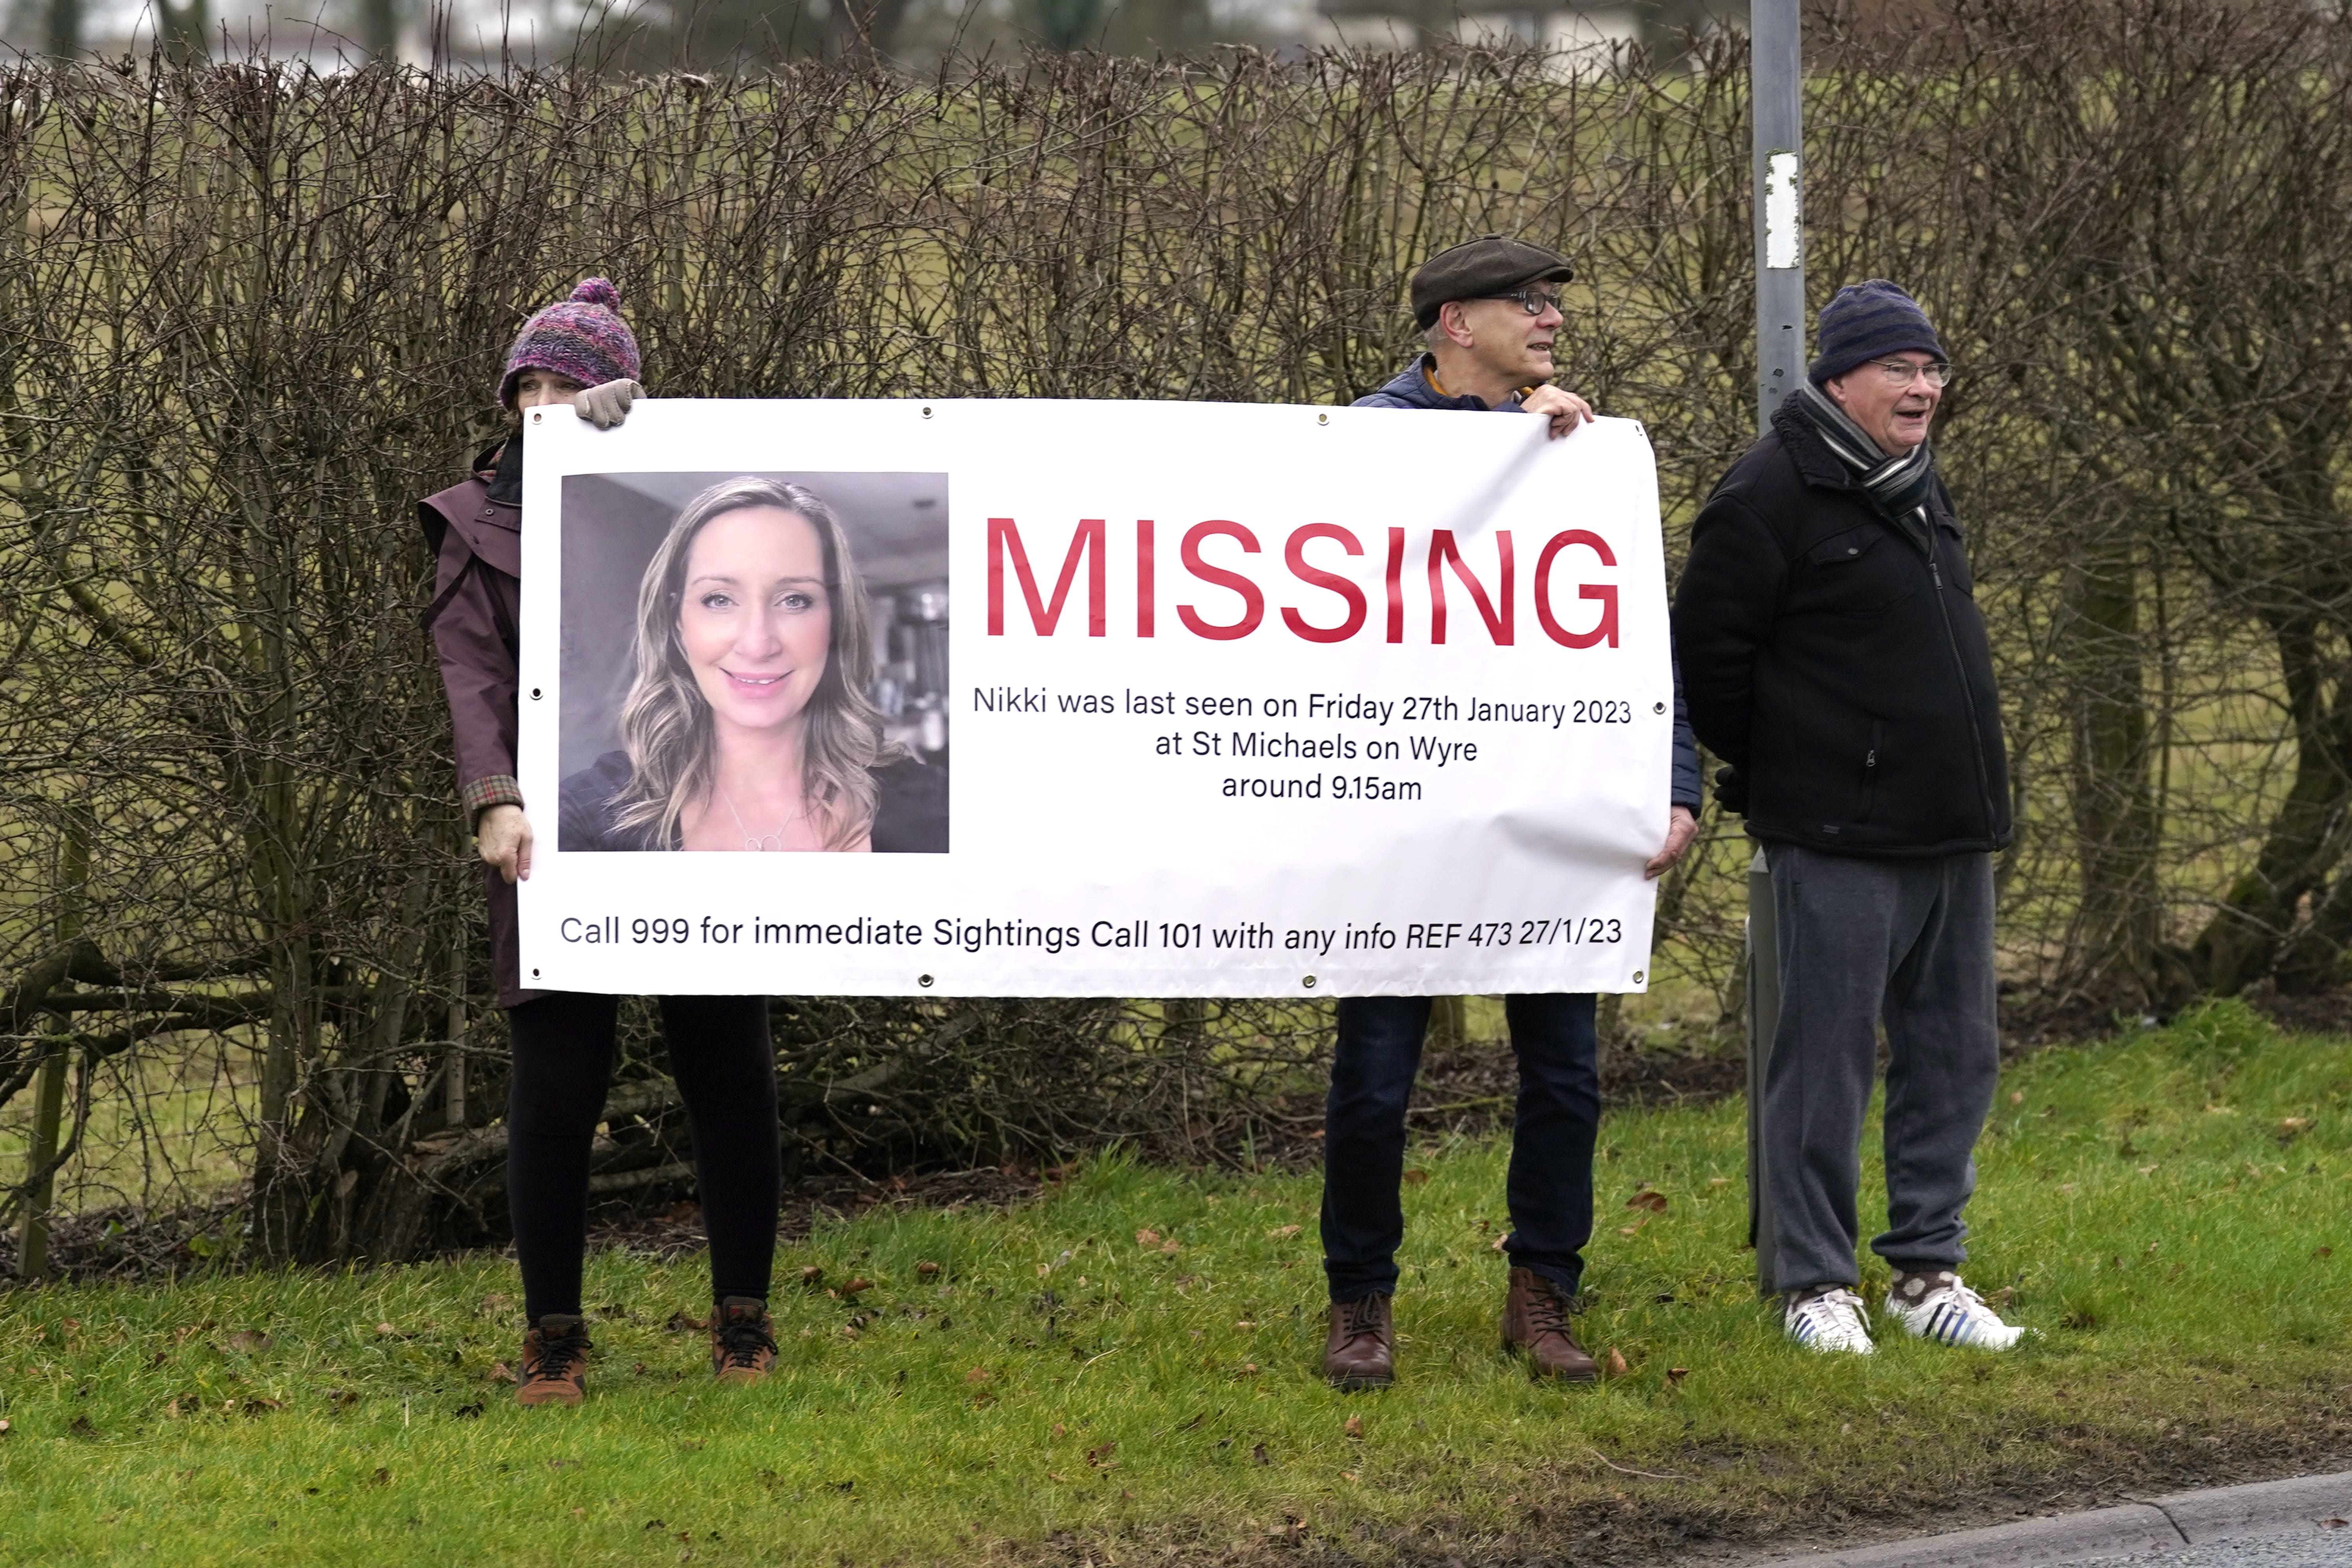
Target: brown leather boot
1535	1321
1361	1351
554	1360
742	1340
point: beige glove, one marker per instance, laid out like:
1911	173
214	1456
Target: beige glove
607	406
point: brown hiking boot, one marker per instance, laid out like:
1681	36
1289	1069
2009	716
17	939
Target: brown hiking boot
1535	1321
742	1340
554	1360
1361	1351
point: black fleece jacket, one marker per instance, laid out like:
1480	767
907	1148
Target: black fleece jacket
1843	671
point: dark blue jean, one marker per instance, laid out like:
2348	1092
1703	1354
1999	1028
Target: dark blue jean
1550	1189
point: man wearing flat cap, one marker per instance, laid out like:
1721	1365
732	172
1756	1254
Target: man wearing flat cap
1488	311
1828	624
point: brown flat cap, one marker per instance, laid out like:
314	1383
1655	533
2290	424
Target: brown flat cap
1492	264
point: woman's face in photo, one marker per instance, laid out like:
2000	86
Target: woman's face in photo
754	618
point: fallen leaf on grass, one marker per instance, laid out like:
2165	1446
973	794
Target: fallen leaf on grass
81	1427
1719	1181
1353	1426
1100	1456
1147	1238
679	1323
501	1373
1060	1430
927	1270
2323	1252
1052	1477
1350	1476
4	1427
1675	1375
1615	1362
811	1276
383	1477
249	1339
386	1331
1647	1198
1415	1177
978	1374
1243	1323
467	1412
855	1286
260	1405
1258	1456
2332	1524
1498	1242
1249	1369
2017	1097
1283	1232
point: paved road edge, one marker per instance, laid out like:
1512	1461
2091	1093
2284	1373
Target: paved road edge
2155	1524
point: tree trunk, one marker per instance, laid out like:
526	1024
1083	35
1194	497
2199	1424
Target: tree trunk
2306	838
64	19
2115	808
380	28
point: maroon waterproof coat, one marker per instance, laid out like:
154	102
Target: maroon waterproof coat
476	605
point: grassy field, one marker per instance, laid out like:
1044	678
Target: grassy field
1124	1369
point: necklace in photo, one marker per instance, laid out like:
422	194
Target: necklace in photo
758	840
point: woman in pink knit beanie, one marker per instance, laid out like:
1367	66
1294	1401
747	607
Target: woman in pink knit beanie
579	351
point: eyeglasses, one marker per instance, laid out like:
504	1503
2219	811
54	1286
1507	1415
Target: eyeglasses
1534	302
1900	374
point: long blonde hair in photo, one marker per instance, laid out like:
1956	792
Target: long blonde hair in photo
666	724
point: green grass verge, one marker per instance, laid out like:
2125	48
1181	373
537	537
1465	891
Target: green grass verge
2170	1210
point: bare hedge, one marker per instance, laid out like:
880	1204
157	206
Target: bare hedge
248	313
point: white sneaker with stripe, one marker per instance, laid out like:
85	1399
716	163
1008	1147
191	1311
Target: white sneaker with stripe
1830	1323
1940	1308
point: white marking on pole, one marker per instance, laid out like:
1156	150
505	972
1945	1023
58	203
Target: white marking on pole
1784	226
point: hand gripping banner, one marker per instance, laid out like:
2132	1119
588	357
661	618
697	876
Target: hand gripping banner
1035	699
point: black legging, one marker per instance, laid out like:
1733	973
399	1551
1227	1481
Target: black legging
725	1066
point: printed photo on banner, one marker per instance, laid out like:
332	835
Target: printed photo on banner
754	661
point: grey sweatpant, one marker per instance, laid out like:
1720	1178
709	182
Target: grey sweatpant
1909	941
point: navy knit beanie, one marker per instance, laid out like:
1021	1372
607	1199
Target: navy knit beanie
1866	322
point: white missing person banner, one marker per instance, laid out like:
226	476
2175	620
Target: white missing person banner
1032	698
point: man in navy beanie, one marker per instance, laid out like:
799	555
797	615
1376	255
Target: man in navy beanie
1833	655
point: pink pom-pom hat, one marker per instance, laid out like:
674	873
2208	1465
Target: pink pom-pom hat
582	338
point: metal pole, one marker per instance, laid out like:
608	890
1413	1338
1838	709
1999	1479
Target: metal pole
1777	86
1777	90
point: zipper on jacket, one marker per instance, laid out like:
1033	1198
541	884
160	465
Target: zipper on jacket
1968	694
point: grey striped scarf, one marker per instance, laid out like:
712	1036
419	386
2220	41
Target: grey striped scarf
1898	487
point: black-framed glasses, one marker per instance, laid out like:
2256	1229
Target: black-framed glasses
1902	372
1534	302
